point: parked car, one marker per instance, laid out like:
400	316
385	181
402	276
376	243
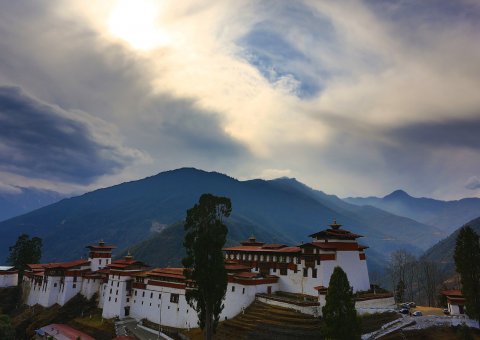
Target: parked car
446	311
412	304
405	305
403	311
417	313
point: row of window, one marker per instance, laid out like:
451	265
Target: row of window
267	258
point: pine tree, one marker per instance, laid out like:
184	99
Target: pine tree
25	251
467	262
339	313
204	264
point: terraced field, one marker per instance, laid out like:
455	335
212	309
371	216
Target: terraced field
262	321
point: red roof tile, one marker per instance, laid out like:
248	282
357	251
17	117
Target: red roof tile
453	292
66	265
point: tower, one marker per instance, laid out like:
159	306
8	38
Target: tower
100	255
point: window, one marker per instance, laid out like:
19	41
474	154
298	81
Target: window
305	272
283	271
116	293
110	298
233	288
143	294
159	296
55	284
314	272
110	290
174	298
100	262
151	295
128	300
115	299
74	285
299	260
111	283
135	292
243	290
118	284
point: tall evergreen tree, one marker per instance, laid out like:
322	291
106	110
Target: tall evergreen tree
467	262
205	236
25	251
339	313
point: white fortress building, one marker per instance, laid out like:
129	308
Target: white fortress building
130	288
8	276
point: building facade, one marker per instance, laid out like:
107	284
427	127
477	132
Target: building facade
130	288
8	276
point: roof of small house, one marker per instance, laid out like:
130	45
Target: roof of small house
62	332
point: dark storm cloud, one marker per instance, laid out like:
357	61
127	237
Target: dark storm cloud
43	141
199	132
460	133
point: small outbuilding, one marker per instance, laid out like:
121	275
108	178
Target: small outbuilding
455	301
8	276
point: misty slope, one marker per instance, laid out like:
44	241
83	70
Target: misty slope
377	219
443	251
128	213
27	199
445	215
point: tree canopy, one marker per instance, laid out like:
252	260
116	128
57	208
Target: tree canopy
467	262
339	313
205	236
7	331
25	251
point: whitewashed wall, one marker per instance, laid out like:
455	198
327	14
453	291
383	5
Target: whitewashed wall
8	280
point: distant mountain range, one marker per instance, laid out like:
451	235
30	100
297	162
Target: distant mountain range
23	200
445	215
443	251
280	211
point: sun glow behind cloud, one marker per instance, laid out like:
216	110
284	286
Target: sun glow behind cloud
304	88
136	22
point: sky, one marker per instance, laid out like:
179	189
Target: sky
354	98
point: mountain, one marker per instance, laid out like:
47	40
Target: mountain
281	211
23	200
443	251
445	215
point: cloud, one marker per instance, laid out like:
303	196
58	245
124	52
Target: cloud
9	189
473	183
40	140
354	97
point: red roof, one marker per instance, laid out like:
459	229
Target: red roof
104	247
453	293
320	288
121	264
167	272
66	265
234	267
335	233
35	266
65	331
247	275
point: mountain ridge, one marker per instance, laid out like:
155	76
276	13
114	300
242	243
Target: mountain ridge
131	212
445	215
